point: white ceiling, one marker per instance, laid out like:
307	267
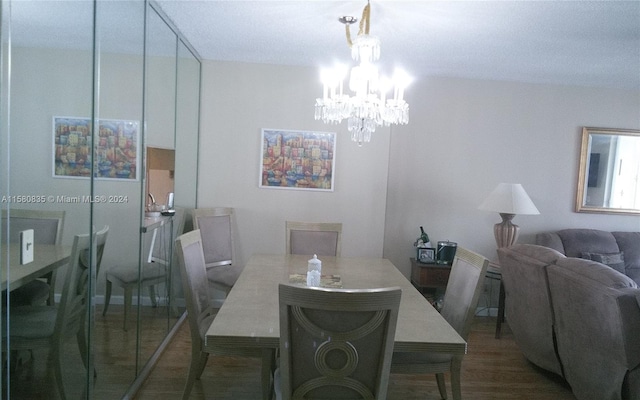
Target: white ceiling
592	43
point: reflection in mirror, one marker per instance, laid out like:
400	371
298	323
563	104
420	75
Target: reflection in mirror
52	77
609	175
120	37
154	309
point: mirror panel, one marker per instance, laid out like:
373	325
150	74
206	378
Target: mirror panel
49	78
609	174
155	315
186	167
120	43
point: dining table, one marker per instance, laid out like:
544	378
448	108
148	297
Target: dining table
46	258
249	317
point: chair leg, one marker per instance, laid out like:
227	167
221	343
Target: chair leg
56	372
128	295
442	387
107	297
198	362
152	295
456	367
51	280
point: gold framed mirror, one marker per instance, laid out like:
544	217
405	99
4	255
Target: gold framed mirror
609	172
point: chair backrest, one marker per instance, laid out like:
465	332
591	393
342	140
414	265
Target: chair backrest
321	238
162	249
47	225
463	290
194	279
75	297
216	227
336	343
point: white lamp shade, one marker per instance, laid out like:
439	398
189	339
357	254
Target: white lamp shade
509	198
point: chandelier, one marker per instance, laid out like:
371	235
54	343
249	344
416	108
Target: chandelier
369	106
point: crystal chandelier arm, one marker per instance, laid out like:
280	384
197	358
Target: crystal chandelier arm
349	42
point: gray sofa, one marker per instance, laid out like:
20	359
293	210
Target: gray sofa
575	317
599	246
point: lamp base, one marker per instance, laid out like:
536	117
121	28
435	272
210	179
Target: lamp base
506	232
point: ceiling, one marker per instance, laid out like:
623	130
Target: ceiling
589	43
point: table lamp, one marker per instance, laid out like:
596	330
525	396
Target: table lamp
508	199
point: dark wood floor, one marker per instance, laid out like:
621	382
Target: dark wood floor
493	369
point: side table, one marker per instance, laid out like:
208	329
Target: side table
429	276
494	272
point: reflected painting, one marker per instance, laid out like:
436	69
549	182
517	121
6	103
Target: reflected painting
116	151
609	172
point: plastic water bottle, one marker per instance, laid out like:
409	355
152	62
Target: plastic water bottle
314	271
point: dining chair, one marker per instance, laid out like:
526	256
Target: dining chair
320	238
217	228
335	343
153	272
459	306
200	312
47	229
47	327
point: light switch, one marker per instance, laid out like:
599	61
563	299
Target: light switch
26	246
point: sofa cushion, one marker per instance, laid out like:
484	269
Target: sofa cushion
597	272
613	260
550	240
578	241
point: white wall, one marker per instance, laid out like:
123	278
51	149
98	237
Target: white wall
464	137
238	100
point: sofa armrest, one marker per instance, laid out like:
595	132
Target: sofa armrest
551	240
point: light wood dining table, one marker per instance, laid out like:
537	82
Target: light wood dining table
249	317
46	258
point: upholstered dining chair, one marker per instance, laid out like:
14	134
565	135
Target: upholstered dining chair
335	343
153	272
459	306
200	311
217	228
47	229
34	327
321	238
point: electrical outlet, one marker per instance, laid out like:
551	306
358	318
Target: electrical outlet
26	246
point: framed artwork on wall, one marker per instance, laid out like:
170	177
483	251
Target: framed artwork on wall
300	160
117	154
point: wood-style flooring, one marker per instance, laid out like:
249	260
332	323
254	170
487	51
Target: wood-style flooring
493	369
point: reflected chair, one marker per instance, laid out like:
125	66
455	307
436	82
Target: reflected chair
335	343
217	228
47	229
459	306
321	238
154	270
34	327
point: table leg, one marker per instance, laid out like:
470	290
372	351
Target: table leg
500	318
